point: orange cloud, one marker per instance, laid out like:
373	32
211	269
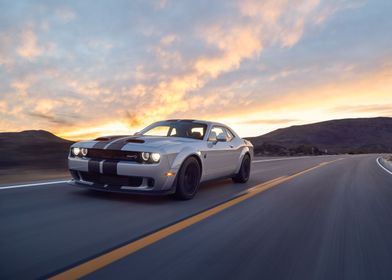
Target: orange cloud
29	47
354	97
234	43
174	82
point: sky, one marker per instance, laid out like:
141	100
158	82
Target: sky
86	68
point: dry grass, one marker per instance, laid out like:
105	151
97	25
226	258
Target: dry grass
23	175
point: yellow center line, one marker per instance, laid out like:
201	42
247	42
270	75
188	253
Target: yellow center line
121	252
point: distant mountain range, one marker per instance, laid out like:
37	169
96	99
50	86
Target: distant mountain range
42	149
33	148
362	135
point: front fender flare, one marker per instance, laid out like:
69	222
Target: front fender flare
184	154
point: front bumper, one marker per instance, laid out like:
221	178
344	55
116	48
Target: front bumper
122	176
118	189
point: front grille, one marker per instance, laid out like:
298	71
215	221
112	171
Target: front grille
114	155
113	180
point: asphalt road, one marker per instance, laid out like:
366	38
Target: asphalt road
333	221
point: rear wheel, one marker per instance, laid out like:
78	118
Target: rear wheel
243	174
188	179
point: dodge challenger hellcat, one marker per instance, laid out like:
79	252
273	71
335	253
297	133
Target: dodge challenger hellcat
167	157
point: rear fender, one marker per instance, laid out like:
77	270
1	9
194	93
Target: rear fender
244	151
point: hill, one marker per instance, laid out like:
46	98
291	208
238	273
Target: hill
33	148
362	135
36	149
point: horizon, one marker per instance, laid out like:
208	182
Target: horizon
242	136
250	65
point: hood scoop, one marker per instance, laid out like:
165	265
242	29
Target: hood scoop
109	138
135	140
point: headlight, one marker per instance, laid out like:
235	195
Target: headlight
84	151
145	156
76	151
148	157
155	157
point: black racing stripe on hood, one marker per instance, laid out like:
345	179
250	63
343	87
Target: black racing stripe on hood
93	165
105	140
100	145
109	167
119	143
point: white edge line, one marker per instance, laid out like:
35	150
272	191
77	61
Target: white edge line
32	185
379	164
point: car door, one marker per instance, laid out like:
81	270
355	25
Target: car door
236	144
220	155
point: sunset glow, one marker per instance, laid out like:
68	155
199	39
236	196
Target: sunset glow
84	68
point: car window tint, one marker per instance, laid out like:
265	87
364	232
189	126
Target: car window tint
197	132
185	129
230	135
173	132
161	130
215	131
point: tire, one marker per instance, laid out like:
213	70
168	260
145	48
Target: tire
243	174
188	179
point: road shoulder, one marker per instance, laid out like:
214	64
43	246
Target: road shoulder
385	162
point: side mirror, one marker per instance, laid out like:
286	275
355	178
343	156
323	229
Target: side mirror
212	139
221	138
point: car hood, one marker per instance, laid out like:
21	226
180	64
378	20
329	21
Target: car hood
159	141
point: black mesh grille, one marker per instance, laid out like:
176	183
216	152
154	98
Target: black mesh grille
114	154
113	180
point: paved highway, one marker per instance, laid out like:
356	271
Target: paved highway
326	217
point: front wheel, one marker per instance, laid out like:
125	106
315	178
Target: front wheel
243	174
188	179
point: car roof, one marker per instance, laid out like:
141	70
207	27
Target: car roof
197	121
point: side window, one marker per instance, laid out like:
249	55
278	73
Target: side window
173	132
197	132
230	135
215	131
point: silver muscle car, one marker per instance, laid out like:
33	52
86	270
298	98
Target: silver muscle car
167	157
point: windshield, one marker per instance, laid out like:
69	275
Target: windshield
185	129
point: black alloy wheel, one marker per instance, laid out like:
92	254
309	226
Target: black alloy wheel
188	179
244	173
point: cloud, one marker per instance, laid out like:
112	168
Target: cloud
155	60
29	47
379	109
169	39
231	44
50	118
268	121
65	15
133	119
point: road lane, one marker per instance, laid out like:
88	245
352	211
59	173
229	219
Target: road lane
122	251
331	223
63	225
